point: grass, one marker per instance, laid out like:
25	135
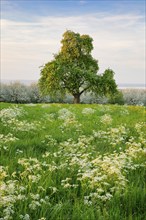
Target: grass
72	162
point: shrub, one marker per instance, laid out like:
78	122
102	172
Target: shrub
134	96
14	92
117	98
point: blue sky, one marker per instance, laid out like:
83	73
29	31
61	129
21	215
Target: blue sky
32	31
28	9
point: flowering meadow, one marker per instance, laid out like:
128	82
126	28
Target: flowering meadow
72	162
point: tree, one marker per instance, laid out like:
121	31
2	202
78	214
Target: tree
74	70
14	92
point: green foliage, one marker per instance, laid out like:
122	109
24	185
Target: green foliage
74	70
50	78
116	98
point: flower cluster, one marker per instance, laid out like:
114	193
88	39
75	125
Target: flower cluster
88	111
69	120
103	175
50	117
65	114
104	108
9	118
5	140
18	125
9	113
106	119
113	136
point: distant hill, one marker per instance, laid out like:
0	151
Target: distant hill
132	85
120	85
25	82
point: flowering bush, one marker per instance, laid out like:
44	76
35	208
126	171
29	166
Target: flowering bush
134	96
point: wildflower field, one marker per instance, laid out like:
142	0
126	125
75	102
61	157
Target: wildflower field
72	162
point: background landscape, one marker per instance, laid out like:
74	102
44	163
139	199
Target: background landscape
65	161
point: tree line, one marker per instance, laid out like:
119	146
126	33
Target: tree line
17	92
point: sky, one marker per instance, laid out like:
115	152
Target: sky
31	31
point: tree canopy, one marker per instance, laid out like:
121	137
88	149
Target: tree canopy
74	70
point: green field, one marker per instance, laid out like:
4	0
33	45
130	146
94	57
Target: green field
72	162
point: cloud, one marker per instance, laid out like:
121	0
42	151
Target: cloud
118	43
82	2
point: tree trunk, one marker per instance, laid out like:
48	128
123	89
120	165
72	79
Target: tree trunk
77	99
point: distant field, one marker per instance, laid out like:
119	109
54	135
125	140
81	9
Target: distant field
72	162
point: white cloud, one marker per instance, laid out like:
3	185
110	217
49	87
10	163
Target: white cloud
82	2
118	43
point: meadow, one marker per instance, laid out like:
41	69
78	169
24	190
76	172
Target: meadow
72	162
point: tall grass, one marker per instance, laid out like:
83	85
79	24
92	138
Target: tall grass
72	162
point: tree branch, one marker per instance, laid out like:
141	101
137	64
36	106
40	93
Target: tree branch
84	90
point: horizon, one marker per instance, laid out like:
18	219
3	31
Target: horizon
31	34
120	85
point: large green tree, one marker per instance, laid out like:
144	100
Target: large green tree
74	70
